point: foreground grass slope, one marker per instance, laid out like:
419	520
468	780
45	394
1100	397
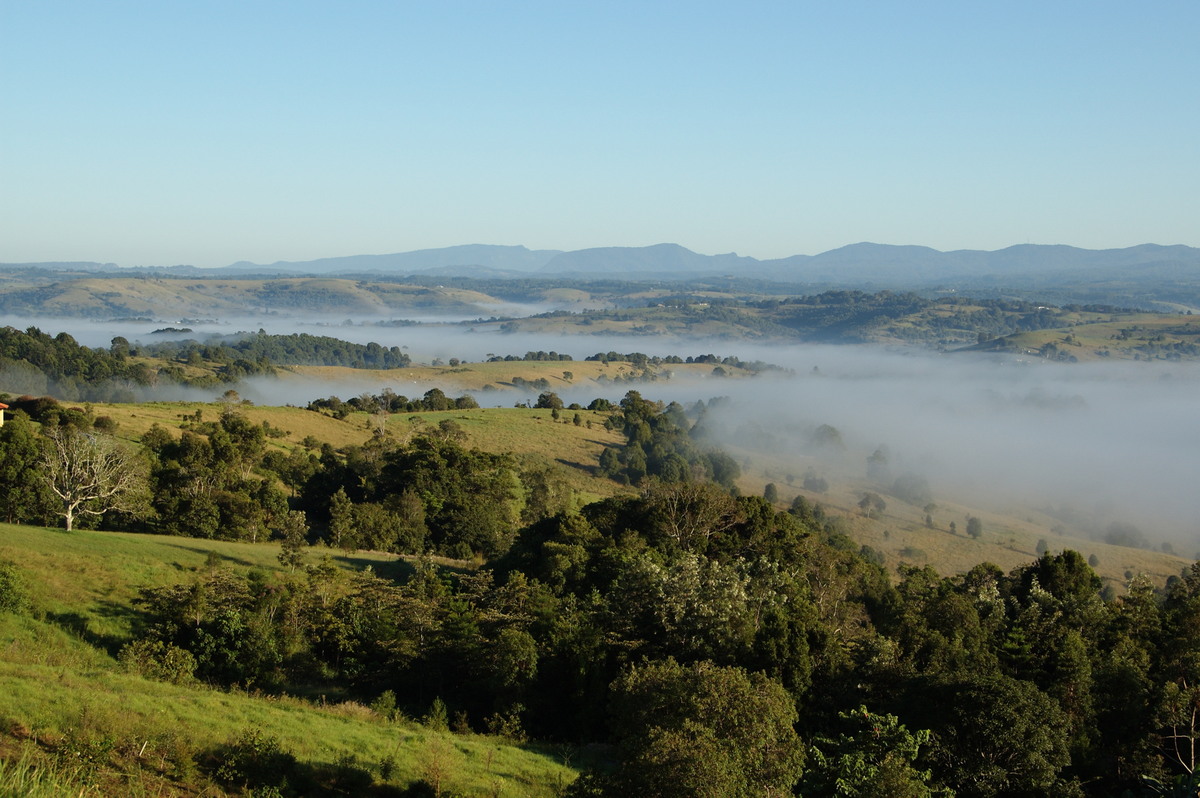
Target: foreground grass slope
68	701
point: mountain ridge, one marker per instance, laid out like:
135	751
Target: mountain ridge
863	263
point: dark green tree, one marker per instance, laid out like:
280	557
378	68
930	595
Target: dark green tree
343	534
293	540
994	735
872	756
26	497
975	527
701	730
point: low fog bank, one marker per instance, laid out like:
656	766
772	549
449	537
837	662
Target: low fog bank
424	338
1099	443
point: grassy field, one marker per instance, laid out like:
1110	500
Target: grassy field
68	703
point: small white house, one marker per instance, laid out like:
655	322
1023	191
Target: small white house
3	407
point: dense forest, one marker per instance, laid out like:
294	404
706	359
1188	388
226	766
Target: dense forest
718	643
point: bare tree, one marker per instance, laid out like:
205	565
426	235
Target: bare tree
91	473
690	513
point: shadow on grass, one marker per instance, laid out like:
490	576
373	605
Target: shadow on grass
223	557
575	465
397	570
256	763
75	624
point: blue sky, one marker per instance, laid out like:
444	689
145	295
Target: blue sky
167	132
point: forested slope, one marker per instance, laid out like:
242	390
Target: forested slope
711	640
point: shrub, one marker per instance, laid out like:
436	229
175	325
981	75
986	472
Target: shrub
155	659
255	762
385	705
438	718
12	588
507	725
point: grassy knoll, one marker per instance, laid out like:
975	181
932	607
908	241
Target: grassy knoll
71	714
694	321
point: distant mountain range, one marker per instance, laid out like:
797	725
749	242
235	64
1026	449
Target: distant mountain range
878	265
883	264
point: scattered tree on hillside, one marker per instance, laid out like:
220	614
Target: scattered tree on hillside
878	465
815	483
871	503
91	474
549	400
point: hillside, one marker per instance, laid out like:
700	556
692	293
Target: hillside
718	595
1125	336
571	450
92	726
176	297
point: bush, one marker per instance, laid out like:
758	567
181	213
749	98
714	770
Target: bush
507	725
438	718
155	659
105	424
12	588
385	705
815	483
256	763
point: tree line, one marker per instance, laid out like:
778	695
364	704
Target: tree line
35	363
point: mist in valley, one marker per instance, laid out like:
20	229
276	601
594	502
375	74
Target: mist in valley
1098	444
1108	448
